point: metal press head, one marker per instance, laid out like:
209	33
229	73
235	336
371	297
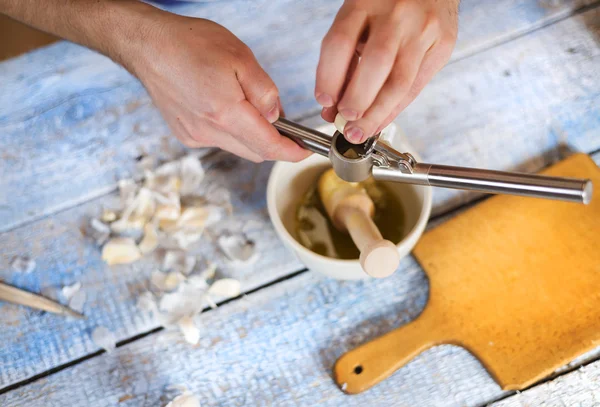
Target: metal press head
351	162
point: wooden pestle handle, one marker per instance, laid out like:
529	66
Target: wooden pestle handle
378	257
362	368
351	209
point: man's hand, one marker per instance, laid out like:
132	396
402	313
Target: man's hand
207	84
402	44
212	91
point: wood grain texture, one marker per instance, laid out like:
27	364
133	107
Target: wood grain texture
72	123
276	347
494	22
71	120
249	345
579	388
34	342
518	106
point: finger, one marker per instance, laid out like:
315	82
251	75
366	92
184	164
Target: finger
375	66
433	62
212	137
259	88
328	114
246	124
228	143
398	84
337	51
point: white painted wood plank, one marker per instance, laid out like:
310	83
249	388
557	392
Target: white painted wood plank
576	117
71	120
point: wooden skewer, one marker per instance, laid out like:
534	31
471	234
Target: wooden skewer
17	296
351	209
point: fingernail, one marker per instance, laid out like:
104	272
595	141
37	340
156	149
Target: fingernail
349	114
354	135
325	100
273	114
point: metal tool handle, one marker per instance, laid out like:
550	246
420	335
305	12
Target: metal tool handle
309	139
494	182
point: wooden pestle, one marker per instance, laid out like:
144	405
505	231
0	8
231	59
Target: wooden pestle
351	209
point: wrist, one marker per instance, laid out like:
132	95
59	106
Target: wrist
133	29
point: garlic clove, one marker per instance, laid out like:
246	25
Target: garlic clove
120	250
340	123
185	400
225	287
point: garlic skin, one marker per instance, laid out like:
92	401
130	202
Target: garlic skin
150	240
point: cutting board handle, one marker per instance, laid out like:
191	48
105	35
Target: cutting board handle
363	367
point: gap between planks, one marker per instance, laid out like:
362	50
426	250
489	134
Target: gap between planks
434	221
139	336
511	37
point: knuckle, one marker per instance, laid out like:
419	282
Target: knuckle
217	117
270	95
433	25
335	40
399	81
238	51
197	139
446	44
269	154
383	53
402	9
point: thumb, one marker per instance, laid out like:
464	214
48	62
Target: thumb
259	89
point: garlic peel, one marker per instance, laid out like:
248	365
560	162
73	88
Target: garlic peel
150	240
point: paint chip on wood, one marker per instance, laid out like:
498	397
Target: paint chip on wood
23	264
104	338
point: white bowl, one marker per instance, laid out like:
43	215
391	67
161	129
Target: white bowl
288	182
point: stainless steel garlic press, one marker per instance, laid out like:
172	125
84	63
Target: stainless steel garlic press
377	158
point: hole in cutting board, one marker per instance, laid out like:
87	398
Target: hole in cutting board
358	369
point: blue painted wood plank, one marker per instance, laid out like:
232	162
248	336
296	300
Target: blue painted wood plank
578	388
507	124
277	347
71	120
519	106
34	342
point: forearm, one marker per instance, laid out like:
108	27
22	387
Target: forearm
116	28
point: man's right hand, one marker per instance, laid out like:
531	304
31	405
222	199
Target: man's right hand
211	90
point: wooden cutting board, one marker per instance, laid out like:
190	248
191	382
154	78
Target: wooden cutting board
516	281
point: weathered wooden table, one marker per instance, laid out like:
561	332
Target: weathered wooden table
522	91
